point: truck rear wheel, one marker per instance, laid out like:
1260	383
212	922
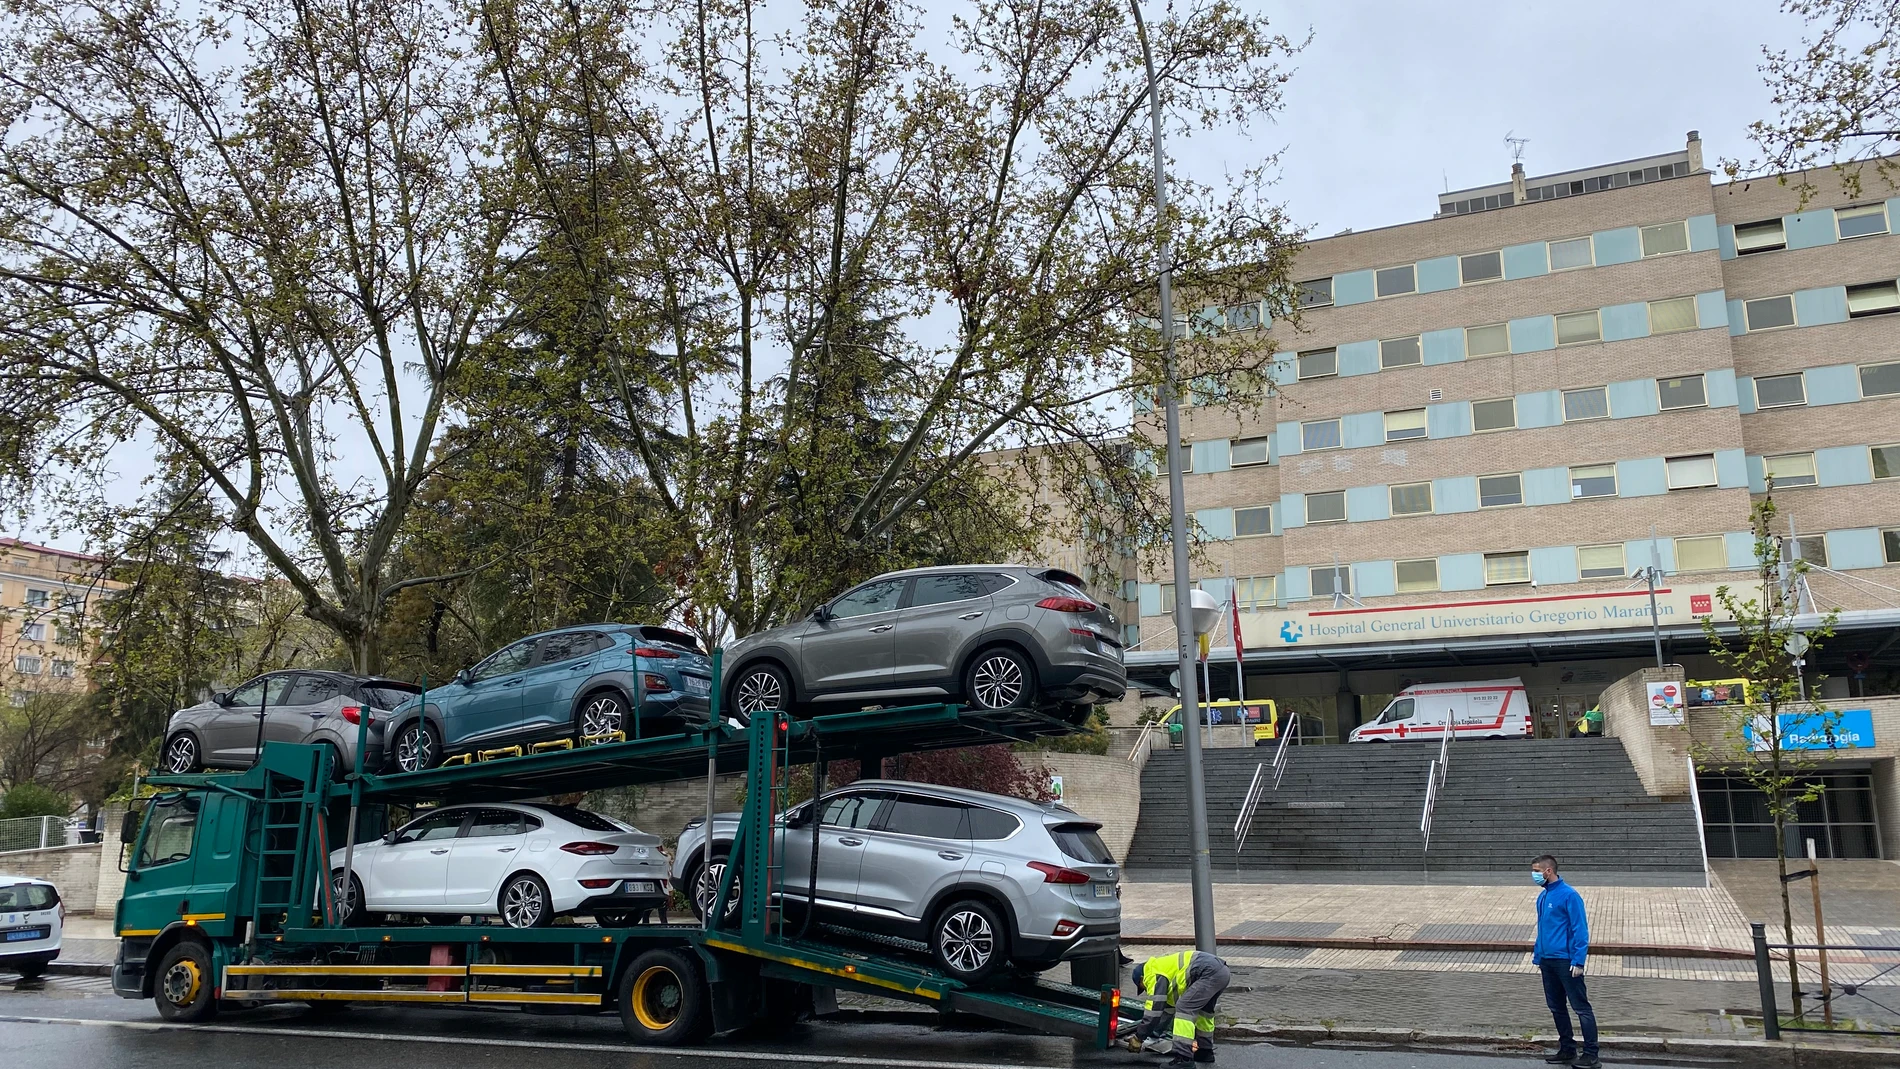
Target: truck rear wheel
663	999
182	988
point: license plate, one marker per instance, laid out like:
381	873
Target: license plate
698	685
639	887
1105	890
27	933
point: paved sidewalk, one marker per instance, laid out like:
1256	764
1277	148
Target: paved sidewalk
1697	917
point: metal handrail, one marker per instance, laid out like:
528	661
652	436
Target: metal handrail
1444	745
1432	779
1243	824
1280	751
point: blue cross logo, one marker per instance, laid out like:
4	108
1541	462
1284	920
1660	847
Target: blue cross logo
1291	632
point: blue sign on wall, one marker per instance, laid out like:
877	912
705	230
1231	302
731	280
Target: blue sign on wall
1847	729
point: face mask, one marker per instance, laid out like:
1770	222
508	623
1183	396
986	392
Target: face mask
1537	877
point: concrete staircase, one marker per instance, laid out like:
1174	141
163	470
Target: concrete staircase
1356	807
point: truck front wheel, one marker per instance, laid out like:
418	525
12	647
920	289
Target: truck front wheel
183	988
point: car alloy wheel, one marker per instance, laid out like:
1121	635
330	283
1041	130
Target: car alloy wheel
181	755
524	903
601	716
967	941
759	690
706	888
415	747
998	681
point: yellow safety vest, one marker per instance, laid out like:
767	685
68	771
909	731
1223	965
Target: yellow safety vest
1172	967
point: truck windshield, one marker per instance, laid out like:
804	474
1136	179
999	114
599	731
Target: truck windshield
174	825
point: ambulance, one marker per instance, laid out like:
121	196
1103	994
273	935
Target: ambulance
1484	709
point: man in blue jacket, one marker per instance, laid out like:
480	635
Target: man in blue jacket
1563	942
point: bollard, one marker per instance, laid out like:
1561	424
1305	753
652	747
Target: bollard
1764	974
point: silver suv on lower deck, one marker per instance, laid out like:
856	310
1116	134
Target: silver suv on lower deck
984	880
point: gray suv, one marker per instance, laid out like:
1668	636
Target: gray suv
984	880
992	636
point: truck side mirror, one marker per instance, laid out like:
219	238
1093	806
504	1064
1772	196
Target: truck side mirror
129	826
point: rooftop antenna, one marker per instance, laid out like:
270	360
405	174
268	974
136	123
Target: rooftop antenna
1517	145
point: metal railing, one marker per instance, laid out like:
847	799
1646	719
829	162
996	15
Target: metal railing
1435	783
1870	964
37	833
1243	824
1280	751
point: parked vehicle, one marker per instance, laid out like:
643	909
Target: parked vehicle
32	921
1490	709
297	706
984	880
992	636
526	864
1263	715
577	682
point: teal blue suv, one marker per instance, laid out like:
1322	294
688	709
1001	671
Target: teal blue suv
587	681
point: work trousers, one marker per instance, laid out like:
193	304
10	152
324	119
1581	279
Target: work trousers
1194	1010
1559	987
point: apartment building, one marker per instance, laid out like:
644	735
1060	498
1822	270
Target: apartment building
45	597
1490	423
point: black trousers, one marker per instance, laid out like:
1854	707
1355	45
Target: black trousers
1561	987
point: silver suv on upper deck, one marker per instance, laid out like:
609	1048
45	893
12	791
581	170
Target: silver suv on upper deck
991	636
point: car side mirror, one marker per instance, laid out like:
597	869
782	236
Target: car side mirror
389	837
221	697
798	819
461	676
821	613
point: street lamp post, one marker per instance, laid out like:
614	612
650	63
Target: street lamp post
1200	871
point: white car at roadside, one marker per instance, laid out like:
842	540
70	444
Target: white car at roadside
32	920
525	863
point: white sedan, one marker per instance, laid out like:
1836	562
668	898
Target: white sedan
523	863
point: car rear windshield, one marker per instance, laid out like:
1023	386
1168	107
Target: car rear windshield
670	637
582	818
1081	842
27	897
388	695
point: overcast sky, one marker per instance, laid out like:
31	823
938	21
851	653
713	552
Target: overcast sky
1395	100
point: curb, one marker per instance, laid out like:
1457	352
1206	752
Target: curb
78	968
1746	1052
1468	945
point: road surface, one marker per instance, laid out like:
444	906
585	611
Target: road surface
76	1023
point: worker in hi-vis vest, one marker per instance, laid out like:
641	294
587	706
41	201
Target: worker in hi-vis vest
1187	985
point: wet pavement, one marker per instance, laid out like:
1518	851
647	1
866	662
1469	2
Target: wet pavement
76	1023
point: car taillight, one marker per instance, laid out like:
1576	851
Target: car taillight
656	683
589	849
595	885
354	714
1066	604
1058	874
655	651
1066	928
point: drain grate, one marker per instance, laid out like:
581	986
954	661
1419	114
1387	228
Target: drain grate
1284	929
1476	932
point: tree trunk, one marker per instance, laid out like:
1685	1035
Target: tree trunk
1778	801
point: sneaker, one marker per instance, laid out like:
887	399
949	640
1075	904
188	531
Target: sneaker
1562	1057
1587	1061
